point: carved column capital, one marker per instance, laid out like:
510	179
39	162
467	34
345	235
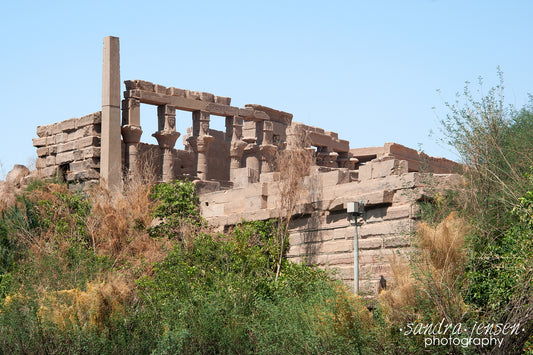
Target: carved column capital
166	118
166	138
203	143
131	133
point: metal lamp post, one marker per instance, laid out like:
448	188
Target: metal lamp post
356	209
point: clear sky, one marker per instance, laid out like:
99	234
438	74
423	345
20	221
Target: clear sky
368	70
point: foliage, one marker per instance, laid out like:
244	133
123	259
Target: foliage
176	209
495	144
219	296
83	276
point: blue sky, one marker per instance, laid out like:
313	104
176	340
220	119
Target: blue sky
368	70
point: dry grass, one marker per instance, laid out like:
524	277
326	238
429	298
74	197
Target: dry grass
118	225
433	273
293	164
92	307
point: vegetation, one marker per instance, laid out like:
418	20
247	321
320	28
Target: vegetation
141	272
475	267
81	273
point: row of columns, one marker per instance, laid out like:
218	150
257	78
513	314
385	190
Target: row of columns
200	140
259	149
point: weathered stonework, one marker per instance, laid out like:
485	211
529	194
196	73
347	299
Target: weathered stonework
70	149
236	176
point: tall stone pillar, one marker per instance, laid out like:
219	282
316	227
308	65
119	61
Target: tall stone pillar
131	132
200	141
236	144
166	138
111	155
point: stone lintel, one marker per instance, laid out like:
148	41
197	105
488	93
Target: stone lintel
189	104
274	115
323	140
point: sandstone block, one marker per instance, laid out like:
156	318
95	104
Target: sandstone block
84	165
68	157
208	97
90	174
90	141
366	259
190	94
269	177
42	151
160	89
145	85
335	259
43	131
48	172
365	172
400	226
61	137
399	211
344	233
65	147
397	241
92	119
336	246
50	160
255	203
91	152
235	206
210	210
40	163
371	243
374	271
223	100
176	92
55	128
81	133
402	197
259	215
40	142
344	272
335	177
294	251
295	239
67	125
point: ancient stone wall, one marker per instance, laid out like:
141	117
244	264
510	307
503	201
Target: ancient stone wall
322	232
70	149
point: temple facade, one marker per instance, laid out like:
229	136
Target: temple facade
237	174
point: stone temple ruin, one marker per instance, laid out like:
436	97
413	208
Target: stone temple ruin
235	174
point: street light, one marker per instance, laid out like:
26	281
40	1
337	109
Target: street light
355	209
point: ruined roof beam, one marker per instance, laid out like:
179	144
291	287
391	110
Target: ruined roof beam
186	104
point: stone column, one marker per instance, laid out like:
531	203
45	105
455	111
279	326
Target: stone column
166	138
237	145
132	136
131	132
200	142
267	149
111	155
252	162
